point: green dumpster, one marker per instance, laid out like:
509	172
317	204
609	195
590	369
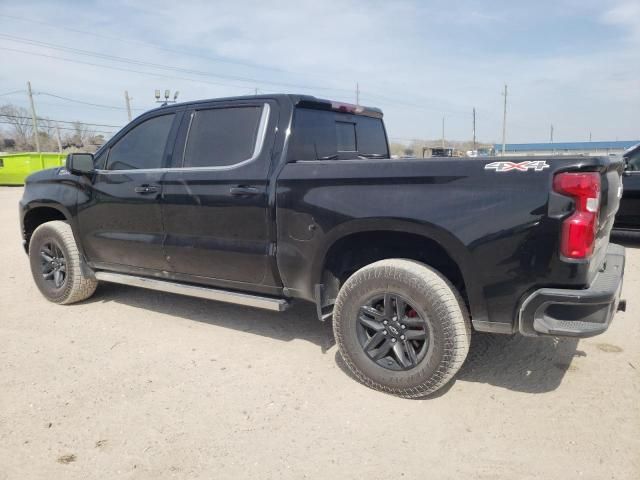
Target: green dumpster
15	167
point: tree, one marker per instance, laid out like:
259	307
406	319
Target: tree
20	125
80	136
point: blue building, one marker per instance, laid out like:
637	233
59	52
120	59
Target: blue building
566	148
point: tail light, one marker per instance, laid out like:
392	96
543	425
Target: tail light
579	229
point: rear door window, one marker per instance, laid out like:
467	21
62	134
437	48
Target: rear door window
221	137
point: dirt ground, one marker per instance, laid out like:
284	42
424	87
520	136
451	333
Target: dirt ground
145	385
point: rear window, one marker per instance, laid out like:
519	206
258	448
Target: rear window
323	135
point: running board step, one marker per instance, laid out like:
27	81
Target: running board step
267	303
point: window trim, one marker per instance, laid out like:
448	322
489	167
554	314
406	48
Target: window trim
257	149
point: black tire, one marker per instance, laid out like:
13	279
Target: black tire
60	279
431	298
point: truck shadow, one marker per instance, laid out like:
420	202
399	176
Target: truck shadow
523	364
630	239
298	322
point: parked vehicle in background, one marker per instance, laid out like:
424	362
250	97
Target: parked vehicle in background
437	152
628	216
265	200
481	152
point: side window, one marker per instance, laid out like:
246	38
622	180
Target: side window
314	135
223	136
143	146
325	135
372	139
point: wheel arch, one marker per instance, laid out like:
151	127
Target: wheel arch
37	213
360	242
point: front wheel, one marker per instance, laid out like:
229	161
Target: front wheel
401	327
55	264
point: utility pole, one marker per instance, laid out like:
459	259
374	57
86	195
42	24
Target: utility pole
474	128
551	134
357	94
58	138
442	132
589	136
504	121
255	92
127	99
33	117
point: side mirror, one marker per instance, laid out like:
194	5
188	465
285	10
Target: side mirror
80	163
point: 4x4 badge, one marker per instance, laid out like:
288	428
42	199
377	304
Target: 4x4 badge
537	166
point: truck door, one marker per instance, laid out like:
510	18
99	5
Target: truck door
215	200
119	213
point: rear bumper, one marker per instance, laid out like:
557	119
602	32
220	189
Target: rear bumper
577	313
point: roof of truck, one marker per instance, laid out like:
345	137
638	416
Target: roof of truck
296	99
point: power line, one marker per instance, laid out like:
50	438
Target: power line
133	61
149	44
198	72
114	107
11	93
396	101
128	70
61	121
380	98
209	74
65	128
73	100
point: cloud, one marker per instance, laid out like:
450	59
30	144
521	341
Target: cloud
627	16
572	63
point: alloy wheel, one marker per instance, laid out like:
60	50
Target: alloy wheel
53	264
392	333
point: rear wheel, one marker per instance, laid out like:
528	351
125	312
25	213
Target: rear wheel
55	264
401	327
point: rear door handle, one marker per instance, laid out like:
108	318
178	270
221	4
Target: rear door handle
143	189
244	191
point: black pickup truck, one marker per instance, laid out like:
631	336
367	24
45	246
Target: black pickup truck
265	200
628	216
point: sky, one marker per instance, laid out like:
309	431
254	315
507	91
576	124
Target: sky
573	64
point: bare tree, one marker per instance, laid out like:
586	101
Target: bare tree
46	126
19	121
80	136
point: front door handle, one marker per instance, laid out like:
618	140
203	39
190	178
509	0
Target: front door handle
144	189
244	191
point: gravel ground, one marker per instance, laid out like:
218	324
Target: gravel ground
144	385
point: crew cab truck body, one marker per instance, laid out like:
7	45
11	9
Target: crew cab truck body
267	199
